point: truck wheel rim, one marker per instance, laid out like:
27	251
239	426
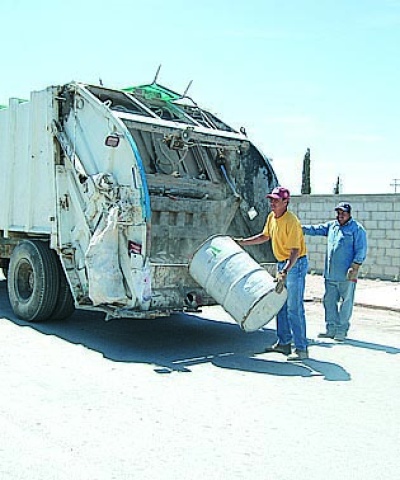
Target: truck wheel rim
25	280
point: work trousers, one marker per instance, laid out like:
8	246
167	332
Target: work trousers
291	319
338	303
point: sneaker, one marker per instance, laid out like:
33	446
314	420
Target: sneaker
286	349
326	335
340	337
298	355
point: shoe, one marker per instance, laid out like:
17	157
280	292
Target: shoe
326	335
298	355
286	349
340	337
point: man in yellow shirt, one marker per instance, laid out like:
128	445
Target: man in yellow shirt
285	232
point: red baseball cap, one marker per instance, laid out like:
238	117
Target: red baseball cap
279	192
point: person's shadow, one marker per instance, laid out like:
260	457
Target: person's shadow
372	346
176	343
306	368
358	344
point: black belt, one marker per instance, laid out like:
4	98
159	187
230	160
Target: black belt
298	258
303	256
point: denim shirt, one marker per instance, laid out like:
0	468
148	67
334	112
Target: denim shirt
345	244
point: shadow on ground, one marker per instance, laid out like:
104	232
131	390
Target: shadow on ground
176	343
358	344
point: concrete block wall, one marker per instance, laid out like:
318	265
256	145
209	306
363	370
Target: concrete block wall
380	215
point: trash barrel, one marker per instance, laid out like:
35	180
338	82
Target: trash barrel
237	282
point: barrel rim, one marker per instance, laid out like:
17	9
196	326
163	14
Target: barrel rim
256	303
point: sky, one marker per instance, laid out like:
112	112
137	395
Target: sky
297	74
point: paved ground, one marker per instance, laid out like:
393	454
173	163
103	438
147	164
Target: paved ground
191	397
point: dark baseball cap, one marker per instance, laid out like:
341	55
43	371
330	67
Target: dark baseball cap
346	207
279	192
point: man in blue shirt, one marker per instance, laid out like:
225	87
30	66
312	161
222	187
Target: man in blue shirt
346	251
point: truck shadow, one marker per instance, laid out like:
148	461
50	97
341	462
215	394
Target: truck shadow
176	343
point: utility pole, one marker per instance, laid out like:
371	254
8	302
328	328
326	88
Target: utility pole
395	184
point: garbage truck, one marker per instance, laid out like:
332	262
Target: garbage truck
107	192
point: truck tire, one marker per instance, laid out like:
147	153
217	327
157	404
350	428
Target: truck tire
65	305
33	281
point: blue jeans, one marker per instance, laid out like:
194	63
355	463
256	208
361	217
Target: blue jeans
291	319
338	304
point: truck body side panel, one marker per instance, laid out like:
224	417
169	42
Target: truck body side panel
27	166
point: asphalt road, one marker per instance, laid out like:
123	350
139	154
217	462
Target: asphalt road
192	397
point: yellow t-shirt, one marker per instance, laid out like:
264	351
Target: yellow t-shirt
285	233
